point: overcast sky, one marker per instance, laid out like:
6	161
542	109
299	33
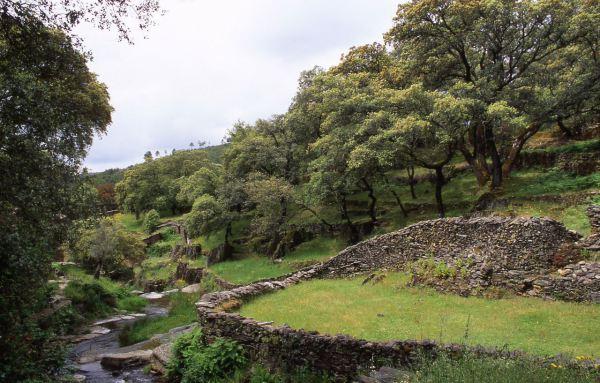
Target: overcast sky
207	64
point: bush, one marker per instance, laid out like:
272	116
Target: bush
259	374
91	299
151	221
195	361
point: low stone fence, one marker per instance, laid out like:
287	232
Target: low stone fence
290	349
582	164
536	253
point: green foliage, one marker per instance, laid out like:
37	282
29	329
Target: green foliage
131	303
551	182
471	369
105	293
206	216
52	106
195	361
259	374
151	221
108	176
252	268
91	299
154	184
164	247
575	147
107	248
130	222
444	46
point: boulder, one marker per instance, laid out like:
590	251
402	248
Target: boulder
120	361
152	296
195	288
160	357
151	240
188	274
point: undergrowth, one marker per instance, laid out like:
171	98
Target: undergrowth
471	369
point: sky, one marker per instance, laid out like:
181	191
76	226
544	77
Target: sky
207	64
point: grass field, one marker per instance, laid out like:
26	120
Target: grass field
252	268
390	311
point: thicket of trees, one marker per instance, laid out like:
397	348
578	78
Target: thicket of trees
474	79
51	106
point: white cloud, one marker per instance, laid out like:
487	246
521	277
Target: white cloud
207	64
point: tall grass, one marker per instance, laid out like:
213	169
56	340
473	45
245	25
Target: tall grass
470	369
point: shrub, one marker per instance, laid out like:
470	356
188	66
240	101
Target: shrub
91	299
195	361
259	374
151	221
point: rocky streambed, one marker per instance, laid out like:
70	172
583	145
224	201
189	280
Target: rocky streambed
97	357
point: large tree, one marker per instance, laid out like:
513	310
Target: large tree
51	106
525	64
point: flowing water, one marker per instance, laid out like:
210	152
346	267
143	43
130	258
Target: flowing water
84	356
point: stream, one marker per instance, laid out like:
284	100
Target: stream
84	357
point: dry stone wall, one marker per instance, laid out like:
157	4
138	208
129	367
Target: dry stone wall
290	349
532	252
530	256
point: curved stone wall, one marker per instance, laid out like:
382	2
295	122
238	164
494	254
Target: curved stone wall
516	248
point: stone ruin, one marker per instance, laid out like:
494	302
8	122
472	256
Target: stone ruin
530	256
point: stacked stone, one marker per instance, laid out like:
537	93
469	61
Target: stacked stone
593	213
592	242
576	282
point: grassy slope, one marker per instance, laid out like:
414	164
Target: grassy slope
124	299
252	268
345	306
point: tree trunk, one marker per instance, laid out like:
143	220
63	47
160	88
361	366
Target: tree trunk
479	169
496	161
228	232
354	235
516	148
563	128
98	270
373	201
137	215
440	181
399	202
314	213
410	171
